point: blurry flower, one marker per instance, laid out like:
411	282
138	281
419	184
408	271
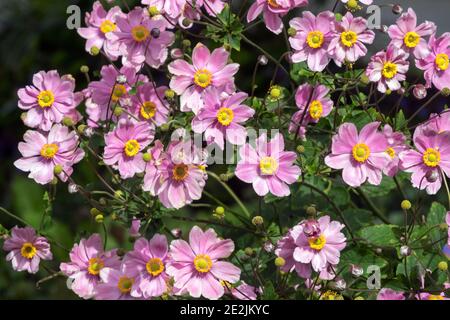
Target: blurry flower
116	285
389	294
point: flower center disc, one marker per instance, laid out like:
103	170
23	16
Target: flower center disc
361	152
317	243
412	39
273	3
107	26
28	251
268	165
125	284
48	151
148	110
132	148
442	61
203	78
389	70
118	92
349	38
46	99
154	266
202	263
180	172
225	116
435	297
95	265
315	39
431	157
315	109
391	152
140	33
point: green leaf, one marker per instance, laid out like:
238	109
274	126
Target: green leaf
380	235
385	188
436	216
361	257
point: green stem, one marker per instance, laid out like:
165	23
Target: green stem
14	216
372	207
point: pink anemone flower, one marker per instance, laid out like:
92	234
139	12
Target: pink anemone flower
115	285
149	104
396	144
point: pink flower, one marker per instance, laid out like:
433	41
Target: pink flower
180	177
48	100
268	167
148	104
312	39
147	264
431	296
429	163
42	152
273	11
349	37
436	124
26	249
115	285
98	24
124	147
320	106
208	70
366	2
410	37
138	44
151	169
134	229
245	291
436	64
222	118
169	8
396	145
388	68
196	267
361	156
389	294
87	259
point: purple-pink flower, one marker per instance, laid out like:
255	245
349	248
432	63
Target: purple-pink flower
196	266
361	156
436	124
268	167
396	144
26	249
149	104
389	294
43	152
115	285
48	100
244	291
208	70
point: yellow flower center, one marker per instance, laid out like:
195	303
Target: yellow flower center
349	38
442	61
273	3
28	251
202	263
148	110
431	157
132	148
315	109
155	266
140	33
107	26
48	151
391	152
95	265
225	116
435	297
361	152
153	11
46	99
331	295
411	39
389	70
317	243
180	172
118	92
125	284
203	78
268	165
315	39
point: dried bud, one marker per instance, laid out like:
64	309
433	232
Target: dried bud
356	271
397	9
262	60
177	233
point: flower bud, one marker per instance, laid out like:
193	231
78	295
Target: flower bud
176	233
58	169
249	251
165	127
155	33
420	91
81	128
54	181
275	92
99	218
356	270
443	266
300	149
339	284
176	53
311	211
186	43
94	212
445	92
397	9
279	262
68	122
292	32
169	94
220	211
73	188
153	11
95	51
262	60
352	4
405	251
118	111
338	17
147	157
432	176
406	205
258	221
364	79
186	22
268	246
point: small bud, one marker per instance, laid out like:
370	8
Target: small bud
103	201
352	4
339	284
165	127
68	122
388	92
73	188
300	149
224	177
262	60
249	251
118	194
405	251
268	246
420	91
121	79
338	17
186	22
169	94
220	211
292	32
54	181
432	176
94	212
258	221
397	9
445	92
99	218
406	205
58	169
176	233
443	266
176	53
186	43
364	79
153	11
356	271
81	128
279	262
84	69
118	111
95	51
155	33
147	157
275	92
311	211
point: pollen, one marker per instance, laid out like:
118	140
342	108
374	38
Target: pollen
268	165
107	26
180	172
46	99
349	38
148	110
389	70
315	39
203	78
202	263
316	109
48	151
95	265
28	251
411	40
361	152
225	116
442	61
317	243
431	157
140	33
132	148
155	266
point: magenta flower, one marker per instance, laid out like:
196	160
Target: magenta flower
151	169
99	23
396	145
42	152
124	147
361	156
147	264
389	294
388	68
436	64
87	259
115	285
48	100
26	249
320	106
409	36
312	39
273	11
149	104
349	38
429	163
222	118
196	267
268	167
137	42
208	70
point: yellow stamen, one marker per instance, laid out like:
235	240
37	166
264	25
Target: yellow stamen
148	110
435	297
273	3
315	39
225	116
203	78
48	151
317	243
391	152
411	40
180	172
202	263
140	33
132	148
125	284
389	70
268	165
361	152
431	157
155	266
349	38
46	98
316	109
107	26
118	92
442	61
28	251
95	265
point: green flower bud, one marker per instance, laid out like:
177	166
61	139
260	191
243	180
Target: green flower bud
292	32
311	211
153	11
220	211
445	92
95	212
364	79
68	122
99	218
300	149
169	94
84	69
258	221
118	111
406	205
147	157
443	266
58	169
279	262
249	251
95	51
81	128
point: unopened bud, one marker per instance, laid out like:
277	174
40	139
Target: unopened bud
94	212
169	94
262	60
445	92
268	246
155	33
406	205
443	266
58	169
118	111
249	251
279	262
73	188
405	251
176	53
176	233
292	32
397	9
300	149
420	91
99	218
356	270
95	51
258	221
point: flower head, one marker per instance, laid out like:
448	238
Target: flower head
396	144
389	294
115	285
148	104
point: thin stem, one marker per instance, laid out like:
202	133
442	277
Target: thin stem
372	207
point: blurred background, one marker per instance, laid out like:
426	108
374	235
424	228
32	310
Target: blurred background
34	37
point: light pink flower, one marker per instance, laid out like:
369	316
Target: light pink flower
41	152
87	259
436	64
169	8
134	228
26	249
116	285
273	11
150	105
151	168
48	100
124	147
388	68
245	291
147	264
389	294
312	39
222	118
349	39
429	163
436	124
208	70
396	144
361	156
196	267
98	23
268	167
